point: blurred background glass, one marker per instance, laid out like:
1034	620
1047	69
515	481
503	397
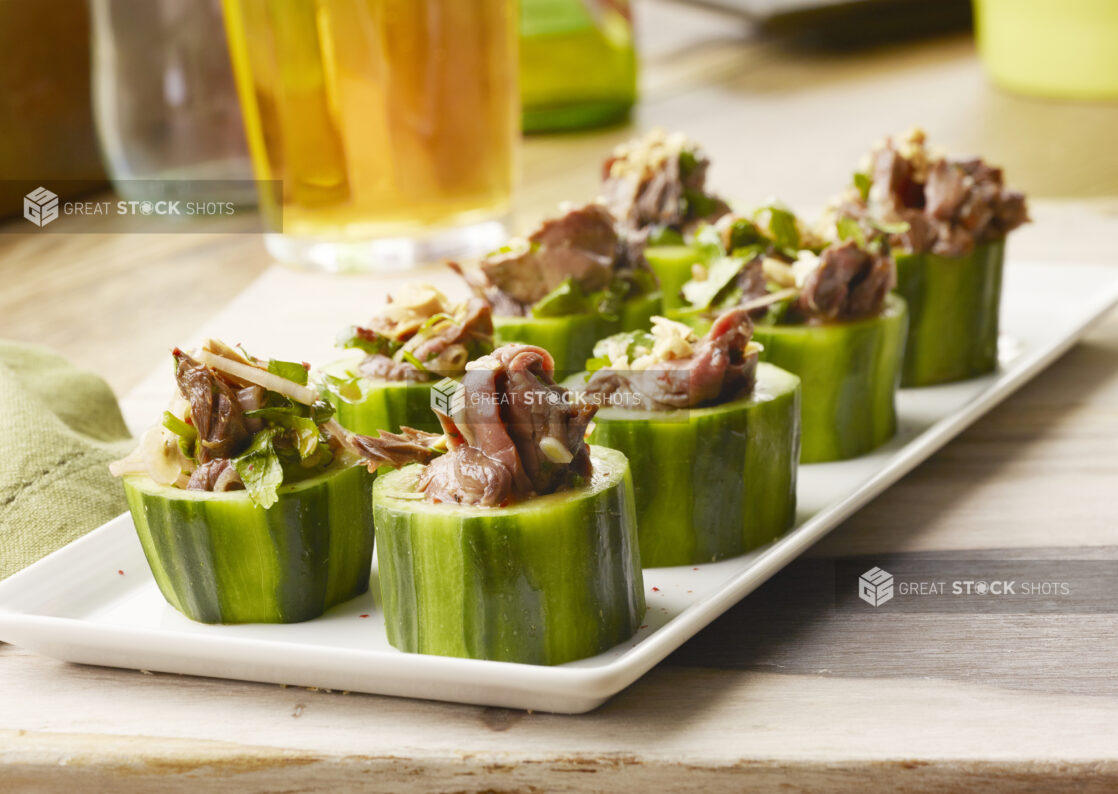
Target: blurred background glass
164	101
391	125
1065	49
578	64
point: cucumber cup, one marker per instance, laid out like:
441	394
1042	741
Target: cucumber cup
673	265
368	406
219	558
545	581
711	482
570	339
849	372
953	314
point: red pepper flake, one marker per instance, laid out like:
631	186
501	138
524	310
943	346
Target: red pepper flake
121	573
363	616
645	626
656	589
694	569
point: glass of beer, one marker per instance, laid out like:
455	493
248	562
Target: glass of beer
383	132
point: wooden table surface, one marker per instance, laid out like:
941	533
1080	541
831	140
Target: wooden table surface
781	691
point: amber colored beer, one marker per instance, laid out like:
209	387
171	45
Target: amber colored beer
380	118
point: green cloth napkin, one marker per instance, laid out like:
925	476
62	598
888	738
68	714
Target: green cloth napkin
61	427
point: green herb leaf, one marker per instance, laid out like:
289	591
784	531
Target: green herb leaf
596	363
566	299
291	370
783	229
700	205
849	229
260	469
778	311
707	243
863	182
607	302
321	411
687	162
898	227
744	232
749	252
299	430
369	341
720	274
349	389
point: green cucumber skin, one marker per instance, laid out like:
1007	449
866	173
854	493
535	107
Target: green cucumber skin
672	265
953	305
714	482
849	374
570	340
385	405
524	584
218	558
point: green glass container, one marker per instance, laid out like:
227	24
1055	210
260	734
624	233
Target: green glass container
578	65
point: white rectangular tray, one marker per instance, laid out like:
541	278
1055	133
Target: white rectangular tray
95	601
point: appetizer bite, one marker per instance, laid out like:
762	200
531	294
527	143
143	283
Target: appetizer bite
948	219
519	542
711	435
576	279
417	339
248	504
656	185
828	317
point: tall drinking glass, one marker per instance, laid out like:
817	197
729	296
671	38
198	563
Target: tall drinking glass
387	129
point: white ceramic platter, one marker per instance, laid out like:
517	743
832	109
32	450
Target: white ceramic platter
95	601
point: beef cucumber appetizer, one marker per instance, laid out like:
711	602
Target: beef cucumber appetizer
711	435
656	186
828	317
419	338
576	279
519	542
954	215
248	500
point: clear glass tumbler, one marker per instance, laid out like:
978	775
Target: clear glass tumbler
387	129
166	110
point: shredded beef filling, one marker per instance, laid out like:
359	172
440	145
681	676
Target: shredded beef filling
583	245
518	435
466	476
718	369
377	366
850	282
657	184
442	350
215	409
216	475
950	204
397	449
